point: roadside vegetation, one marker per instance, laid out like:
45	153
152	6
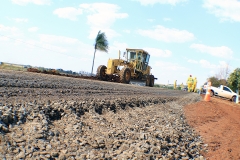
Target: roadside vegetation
227	78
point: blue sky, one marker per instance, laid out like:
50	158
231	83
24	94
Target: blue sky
183	36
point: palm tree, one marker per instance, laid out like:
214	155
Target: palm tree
101	44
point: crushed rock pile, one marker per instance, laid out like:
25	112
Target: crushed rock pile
108	126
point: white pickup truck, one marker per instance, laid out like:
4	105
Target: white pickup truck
222	91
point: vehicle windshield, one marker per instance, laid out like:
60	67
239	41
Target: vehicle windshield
147	58
131	55
140	57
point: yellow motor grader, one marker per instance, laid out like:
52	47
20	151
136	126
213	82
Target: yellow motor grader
133	68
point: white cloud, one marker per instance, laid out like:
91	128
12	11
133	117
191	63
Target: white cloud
96	12
62	44
161	33
8	29
167	19
110	33
116	47
151	20
222	51
19	20
37	2
152	2
57	39
192	61
50	51
168	72
33	29
8	32
169	66
224	9
207	64
215	69
158	52
68	13
119	46
127	31
223	64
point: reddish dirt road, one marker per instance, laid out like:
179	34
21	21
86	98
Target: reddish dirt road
218	122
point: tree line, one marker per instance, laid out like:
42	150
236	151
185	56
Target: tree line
227	78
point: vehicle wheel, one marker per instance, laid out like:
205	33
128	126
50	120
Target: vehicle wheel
234	98
101	73
125	75
151	80
148	81
211	93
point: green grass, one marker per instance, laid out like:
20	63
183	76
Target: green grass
12	67
166	86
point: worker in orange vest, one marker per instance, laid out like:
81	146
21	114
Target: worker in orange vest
190	83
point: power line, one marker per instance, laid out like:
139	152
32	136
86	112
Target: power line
31	44
41	47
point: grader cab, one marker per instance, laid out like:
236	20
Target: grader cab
133	68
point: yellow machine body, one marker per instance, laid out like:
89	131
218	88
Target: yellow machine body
135	63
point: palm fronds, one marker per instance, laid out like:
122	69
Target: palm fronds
101	42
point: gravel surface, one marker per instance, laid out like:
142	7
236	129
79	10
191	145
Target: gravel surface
52	117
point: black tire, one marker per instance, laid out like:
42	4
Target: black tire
234	98
151	81
148	81
101	73
125	75
211	93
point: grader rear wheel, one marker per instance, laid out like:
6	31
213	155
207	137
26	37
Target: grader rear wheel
101	73
151	81
125	75
148	81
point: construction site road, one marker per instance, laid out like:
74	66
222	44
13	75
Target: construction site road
55	117
26	84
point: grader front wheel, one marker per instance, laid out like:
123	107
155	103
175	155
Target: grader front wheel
125	75
101	73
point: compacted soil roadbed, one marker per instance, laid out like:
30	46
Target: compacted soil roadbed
54	117
218	123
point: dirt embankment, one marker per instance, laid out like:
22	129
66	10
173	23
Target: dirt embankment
218	123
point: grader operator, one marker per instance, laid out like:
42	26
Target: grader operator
133	68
